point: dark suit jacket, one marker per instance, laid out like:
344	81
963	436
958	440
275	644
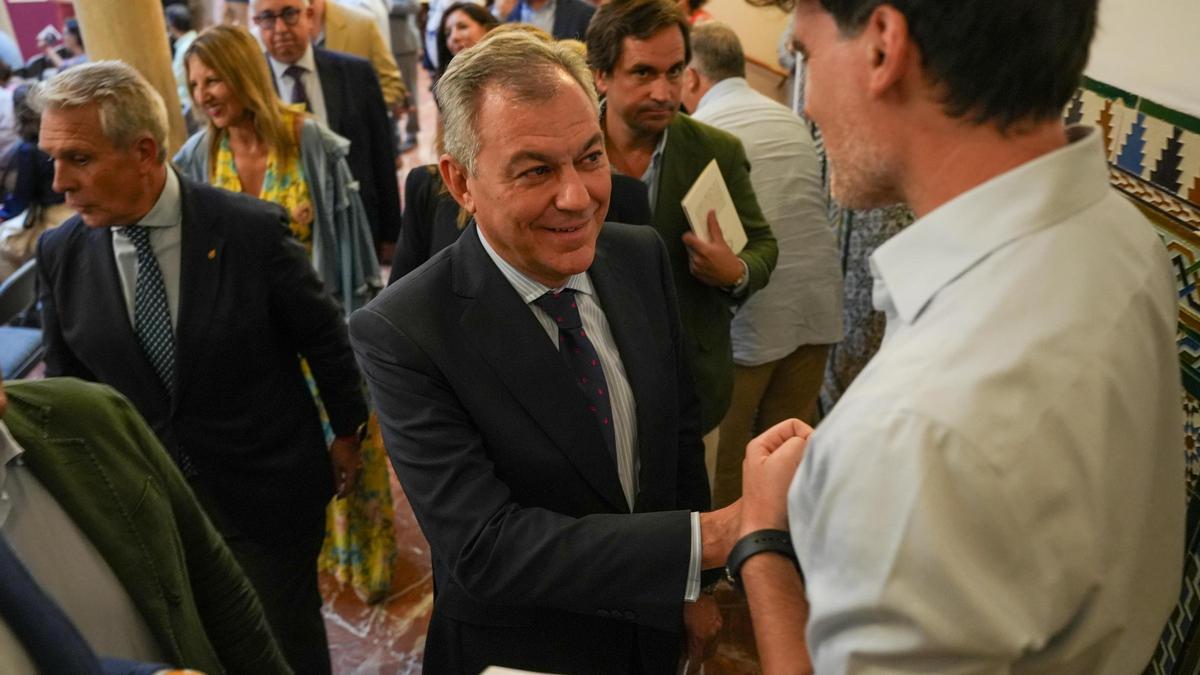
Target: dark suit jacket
95	455
250	304
538	562
571	18
704	310
431	216
357	112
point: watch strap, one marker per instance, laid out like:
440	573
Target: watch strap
759	541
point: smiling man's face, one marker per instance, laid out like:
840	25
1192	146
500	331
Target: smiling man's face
541	185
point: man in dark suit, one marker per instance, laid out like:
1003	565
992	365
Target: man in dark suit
638	50
342	91
564	19
196	305
534	397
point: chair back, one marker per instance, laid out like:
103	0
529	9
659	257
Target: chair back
18	293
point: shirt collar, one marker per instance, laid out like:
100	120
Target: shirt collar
10	453
720	90
938	248
306	61
168	210
527	288
656	158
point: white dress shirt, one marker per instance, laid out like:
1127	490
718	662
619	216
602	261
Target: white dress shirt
803	303
66	564
166	237
312	83
595	323
1002	488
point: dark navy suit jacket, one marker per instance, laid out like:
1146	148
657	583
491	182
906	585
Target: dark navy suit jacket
250	306
356	110
538	561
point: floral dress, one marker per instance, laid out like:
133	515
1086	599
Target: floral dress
360	544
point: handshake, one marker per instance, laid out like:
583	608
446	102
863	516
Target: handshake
767	471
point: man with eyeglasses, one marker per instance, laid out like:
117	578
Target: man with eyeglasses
342	91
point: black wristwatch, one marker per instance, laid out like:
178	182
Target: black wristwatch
759	541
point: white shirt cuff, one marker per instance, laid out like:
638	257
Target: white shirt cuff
692	590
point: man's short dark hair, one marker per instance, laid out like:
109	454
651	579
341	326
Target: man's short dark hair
179	17
640	19
716	51
998	62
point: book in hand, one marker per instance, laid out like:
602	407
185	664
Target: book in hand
709	193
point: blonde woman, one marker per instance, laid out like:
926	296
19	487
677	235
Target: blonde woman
256	144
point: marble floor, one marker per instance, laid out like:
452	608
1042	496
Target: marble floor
388	638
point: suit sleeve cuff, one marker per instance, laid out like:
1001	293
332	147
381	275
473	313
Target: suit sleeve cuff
739	290
692	590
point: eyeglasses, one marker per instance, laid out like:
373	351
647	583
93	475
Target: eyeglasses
266	20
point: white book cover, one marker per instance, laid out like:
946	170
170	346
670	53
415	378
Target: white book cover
709	193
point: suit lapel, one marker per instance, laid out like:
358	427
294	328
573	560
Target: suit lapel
201	261
629	321
335	98
512	342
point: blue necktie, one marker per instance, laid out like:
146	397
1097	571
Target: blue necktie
582	359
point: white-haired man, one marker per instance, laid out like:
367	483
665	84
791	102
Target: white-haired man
195	303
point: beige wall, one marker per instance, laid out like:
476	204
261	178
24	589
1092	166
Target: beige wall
758	27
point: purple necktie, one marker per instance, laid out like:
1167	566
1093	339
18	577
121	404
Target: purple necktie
299	93
581	358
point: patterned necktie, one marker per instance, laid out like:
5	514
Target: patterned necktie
299	93
582	359
152	321
151	313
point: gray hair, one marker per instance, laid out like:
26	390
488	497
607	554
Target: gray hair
717	52
129	106
520	64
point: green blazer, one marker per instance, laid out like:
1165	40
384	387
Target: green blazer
706	311
91	450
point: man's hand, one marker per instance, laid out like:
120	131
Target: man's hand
771	462
701	624
712	262
346	456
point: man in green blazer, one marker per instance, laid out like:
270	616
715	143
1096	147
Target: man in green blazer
638	50
87	447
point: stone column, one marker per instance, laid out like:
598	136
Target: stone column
134	31
6	25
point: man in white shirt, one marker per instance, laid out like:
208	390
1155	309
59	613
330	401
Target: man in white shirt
781	336
1002	488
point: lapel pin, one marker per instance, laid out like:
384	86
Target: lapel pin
212	254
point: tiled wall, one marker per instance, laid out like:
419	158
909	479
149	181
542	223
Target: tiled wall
1154	159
